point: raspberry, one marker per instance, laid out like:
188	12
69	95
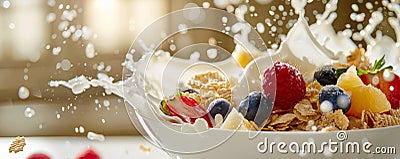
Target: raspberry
289	83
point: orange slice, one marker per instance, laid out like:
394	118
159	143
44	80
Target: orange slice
362	97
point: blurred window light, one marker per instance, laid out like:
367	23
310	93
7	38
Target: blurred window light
26	28
116	22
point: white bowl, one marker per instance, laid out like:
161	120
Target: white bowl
218	143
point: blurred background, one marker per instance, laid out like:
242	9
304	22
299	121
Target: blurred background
46	40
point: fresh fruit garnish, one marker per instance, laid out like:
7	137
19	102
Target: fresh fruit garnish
242	56
256	107
89	154
363	97
289	83
185	108
234	121
38	156
219	106
384	79
326	75
332	97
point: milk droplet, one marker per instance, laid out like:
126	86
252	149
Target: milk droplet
212	41
221	3
29	112
58	116
86	32
263	1
47	47
103	121
281	8
90	51
51	3
81	129
375	80
388	76
326	106
23	92
63	25
391	88
369	5
61	6
182	28
172	47
6	4
11	26
106	103
66	34
224	20
354	7
206	4
56	50
212	53
76	130
77	35
26	77
65	65
195	56
260	28
94	136
252	8
51	17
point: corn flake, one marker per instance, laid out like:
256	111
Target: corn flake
305	112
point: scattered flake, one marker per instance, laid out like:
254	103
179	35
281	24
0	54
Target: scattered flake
144	148
17	145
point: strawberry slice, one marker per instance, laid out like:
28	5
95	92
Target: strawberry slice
185	108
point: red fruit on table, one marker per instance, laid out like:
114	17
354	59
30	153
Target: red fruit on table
89	154
38	156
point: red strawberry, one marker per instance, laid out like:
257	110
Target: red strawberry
385	80
185	108
289	83
38	156
89	154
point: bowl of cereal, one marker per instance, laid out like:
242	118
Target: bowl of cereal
316	95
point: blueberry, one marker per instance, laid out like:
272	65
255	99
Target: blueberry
256	107
219	106
326	75
343	102
333	97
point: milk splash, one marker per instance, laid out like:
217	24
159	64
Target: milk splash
144	64
322	43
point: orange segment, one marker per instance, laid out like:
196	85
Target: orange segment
362	97
242	56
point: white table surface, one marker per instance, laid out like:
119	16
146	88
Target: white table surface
114	147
